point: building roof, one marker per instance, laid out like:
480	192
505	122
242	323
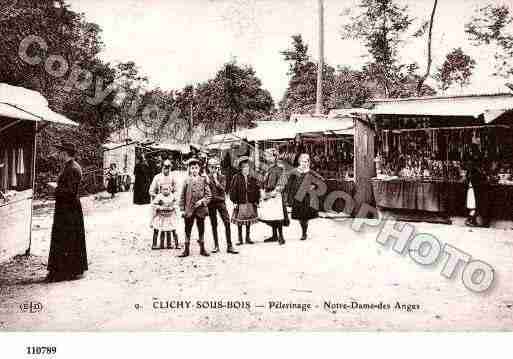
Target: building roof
21	103
491	106
178	147
438	97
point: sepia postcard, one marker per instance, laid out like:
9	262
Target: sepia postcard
255	166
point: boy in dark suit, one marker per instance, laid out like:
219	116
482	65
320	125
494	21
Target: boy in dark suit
217	183
193	202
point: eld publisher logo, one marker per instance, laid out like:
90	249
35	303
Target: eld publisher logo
31	307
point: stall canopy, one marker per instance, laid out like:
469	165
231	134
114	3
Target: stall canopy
491	106
285	130
18	103
176	147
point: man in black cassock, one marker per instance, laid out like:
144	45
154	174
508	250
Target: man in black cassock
68	256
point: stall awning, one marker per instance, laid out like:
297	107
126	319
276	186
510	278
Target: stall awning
175	147
23	104
343	125
489	106
286	130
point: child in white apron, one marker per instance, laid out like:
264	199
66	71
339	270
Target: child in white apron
164	218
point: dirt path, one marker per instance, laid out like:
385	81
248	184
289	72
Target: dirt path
334	265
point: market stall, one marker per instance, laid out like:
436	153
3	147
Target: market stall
20	112
424	151
124	156
329	141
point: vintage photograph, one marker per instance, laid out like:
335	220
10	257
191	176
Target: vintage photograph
256	165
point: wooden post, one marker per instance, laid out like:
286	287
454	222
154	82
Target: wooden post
33	175
364	168
320	65
257	156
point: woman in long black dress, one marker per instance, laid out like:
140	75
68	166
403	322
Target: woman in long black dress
142	181
302	209
68	255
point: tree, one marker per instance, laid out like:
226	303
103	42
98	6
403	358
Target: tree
233	98
380	24
243	95
67	35
457	68
297	55
158	116
130	87
492	25
300	96
429	55
350	89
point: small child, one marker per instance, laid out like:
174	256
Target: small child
164	218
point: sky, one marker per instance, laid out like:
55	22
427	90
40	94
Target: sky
181	42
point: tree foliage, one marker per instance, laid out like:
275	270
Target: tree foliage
300	96
67	35
233	98
381	25
492	25
344	87
457	69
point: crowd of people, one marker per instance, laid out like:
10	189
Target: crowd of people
263	197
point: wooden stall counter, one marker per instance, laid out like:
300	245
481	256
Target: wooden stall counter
420	194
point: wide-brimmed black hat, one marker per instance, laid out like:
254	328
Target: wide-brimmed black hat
68	147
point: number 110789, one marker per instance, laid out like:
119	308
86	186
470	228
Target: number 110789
41	350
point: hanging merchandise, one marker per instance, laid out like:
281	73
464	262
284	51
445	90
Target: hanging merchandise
475	140
20	165
449	145
432	142
14	182
435	136
386	149
3	168
5	178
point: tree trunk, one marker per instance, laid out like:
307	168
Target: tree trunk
429	56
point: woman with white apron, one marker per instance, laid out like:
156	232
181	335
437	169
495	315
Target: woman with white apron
273	211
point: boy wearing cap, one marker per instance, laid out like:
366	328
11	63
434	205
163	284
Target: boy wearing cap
217	184
193	202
